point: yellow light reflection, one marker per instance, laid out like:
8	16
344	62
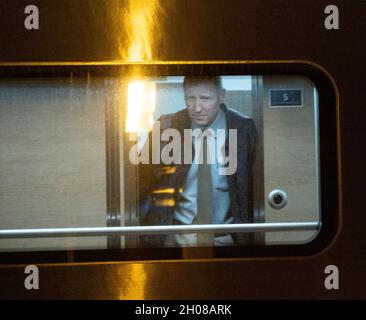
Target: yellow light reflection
140	106
168	190
133	282
140	18
169	170
165	202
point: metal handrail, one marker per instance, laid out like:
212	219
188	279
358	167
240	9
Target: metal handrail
148	230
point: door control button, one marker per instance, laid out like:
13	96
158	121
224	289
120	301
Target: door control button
277	199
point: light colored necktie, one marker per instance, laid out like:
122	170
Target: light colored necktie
204	194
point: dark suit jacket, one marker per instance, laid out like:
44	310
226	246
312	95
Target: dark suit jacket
160	185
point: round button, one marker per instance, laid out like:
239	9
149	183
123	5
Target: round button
277	199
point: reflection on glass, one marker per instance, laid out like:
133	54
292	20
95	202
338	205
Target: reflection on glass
139	19
52	160
54	164
140	106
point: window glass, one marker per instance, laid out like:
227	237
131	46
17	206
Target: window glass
80	153
52	160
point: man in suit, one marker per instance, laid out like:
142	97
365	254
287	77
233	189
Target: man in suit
188	192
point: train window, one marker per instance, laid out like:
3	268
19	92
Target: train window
165	158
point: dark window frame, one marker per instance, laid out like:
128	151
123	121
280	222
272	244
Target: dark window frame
329	155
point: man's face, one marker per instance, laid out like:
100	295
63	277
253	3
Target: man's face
203	101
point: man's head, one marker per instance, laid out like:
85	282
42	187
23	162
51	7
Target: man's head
203	96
